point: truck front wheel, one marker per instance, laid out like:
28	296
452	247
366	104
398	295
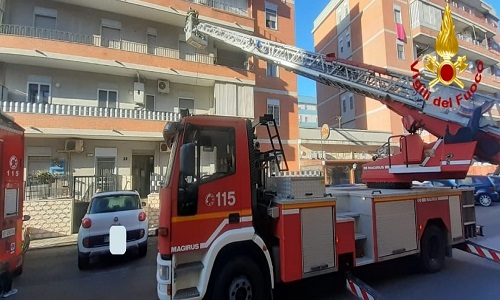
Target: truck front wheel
240	279
433	249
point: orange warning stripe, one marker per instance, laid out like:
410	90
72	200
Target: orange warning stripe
217	215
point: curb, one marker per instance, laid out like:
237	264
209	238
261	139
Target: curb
152	232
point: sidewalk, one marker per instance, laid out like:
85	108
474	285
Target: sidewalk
63	241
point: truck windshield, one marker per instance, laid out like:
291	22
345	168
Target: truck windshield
170	164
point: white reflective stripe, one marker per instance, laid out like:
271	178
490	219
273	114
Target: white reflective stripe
215	234
219	229
487	253
438	142
457	162
472	249
415	169
358	290
290	211
246	219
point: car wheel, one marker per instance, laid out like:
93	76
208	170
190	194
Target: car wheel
83	261
485	200
143	249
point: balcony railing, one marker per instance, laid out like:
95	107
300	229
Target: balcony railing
97	40
222	6
86	111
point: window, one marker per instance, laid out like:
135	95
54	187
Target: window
215	151
150	102
348	39
272	70
45	18
11	205
2	9
344	108
151	40
271	16
401	51
38	92
114	203
351	102
186	103
273	108
107	98
397	15
341	44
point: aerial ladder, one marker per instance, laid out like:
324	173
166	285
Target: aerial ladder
466	133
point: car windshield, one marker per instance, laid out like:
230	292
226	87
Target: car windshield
496	180
114	203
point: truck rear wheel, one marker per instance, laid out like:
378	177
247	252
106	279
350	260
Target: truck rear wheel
240	279
432	249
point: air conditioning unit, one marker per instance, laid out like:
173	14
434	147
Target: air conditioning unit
163	86
73	145
164	148
139	93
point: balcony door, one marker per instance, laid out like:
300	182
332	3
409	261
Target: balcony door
111	34
38	92
186	52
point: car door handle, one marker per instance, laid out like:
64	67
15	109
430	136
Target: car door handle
234	218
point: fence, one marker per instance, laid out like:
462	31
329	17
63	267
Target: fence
85	187
37	188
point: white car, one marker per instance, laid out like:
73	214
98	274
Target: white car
107	209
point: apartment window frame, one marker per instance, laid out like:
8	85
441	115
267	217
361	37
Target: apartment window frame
107	97
146	102
351	102
186	98
398	13
343	104
39	83
402	45
341	44
269	10
348	40
46	13
269	70
274	108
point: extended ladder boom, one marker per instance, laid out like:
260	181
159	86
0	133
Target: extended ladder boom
396	91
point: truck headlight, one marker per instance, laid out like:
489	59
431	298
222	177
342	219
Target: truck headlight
164	272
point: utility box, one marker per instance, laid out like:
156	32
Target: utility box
139	93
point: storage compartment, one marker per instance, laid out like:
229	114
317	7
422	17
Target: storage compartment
297	186
317	239
396	227
345	235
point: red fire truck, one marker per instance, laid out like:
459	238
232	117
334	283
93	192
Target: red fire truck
15	239
234	223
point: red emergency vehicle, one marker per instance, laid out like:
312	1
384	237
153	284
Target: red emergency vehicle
14	239
232	225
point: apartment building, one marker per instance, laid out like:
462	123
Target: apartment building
308	113
94	82
392	34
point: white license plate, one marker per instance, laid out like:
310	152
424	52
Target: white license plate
8	232
106	239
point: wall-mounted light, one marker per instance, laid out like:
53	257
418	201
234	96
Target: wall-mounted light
58	85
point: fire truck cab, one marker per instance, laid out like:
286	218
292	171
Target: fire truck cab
14	240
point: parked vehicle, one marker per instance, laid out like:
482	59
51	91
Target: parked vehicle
451	183
485	191
107	209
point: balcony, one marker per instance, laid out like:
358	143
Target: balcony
426	34
222	6
470	14
86	111
149	59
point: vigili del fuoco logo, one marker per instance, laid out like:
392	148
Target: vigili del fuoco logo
445	68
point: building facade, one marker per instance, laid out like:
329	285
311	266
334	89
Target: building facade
95	82
308	113
393	34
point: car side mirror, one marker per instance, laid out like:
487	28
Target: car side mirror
26	218
187	157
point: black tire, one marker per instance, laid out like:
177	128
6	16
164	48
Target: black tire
432	249
143	249
240	277
83	262
485	200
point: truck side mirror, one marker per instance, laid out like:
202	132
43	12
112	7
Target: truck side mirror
26	218
187	157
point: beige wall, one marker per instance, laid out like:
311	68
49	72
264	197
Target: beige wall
80	88
83	165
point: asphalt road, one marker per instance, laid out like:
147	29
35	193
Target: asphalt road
53	274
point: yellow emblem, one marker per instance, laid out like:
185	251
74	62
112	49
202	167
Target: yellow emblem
446	47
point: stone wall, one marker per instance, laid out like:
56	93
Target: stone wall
153	209
49	218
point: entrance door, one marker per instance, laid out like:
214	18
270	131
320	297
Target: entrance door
142	167
105	174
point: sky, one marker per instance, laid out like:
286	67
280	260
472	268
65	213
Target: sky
305	13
